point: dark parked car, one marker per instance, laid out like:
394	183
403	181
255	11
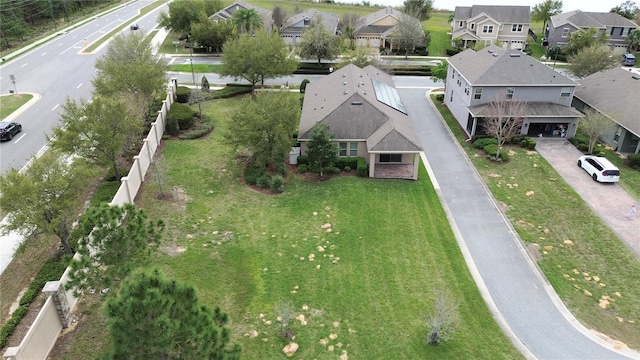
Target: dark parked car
9	130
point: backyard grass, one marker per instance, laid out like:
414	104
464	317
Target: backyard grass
11	103
581	256
371	281
197	68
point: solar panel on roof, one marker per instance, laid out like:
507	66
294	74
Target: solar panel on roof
388	95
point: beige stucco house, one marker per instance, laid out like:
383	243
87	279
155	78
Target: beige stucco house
364	112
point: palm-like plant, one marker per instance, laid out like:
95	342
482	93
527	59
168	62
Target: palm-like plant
246	20
633	40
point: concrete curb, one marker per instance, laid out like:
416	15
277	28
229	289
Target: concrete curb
24	107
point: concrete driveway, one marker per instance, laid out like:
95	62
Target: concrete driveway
521	299
609	201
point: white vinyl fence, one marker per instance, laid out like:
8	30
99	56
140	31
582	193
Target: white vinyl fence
56	314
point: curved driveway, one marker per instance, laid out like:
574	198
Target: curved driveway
523	302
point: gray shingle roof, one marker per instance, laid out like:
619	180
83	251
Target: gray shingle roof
330	20
364	21
614	93
582	19
494	66
503	13
534	109
227	12
346	101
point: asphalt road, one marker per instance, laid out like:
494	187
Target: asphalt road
57	70
523	302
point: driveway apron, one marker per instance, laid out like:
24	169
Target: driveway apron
534	315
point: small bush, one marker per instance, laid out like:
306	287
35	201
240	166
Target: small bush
303	85
583	147
332	170
303	168
482	142
182	94
531	144
28	297
263	180
362	169
452	51
634	161
252	172
351	162
492	150
282	169
303	160
277	183
516	140
440	97
347	168
183	115
173	128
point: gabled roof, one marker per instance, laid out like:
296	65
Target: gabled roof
227	12
494	66
363	25
580	19
329	20
506	14
360	105
614	93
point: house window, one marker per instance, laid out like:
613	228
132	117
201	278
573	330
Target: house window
477	93
353	149
348	149
307	21
516	28
510	92
565	92
565	32
612	30
396	158
487	29
461	24
473	25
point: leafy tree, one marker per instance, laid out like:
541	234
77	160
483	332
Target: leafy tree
181	14
439	72
246	21
347	27
96	131
628	9
212	6
408	34
279	16
444	320
584	38
420	9
130	69
633	40
595	124
114	241
504	119
545	10
360	57
256	58
212	34
204	83
322	150
592	59
156	318
45	198
264	125
318	42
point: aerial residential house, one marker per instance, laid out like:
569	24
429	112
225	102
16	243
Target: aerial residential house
614	93
491	24
364	112
376	29
227	13
292	30
615	26
476	78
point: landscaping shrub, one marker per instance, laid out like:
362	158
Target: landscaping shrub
362	169
183	115
277	183
303	160
531	144
303	85
182	94
351	162
492	150
303	168
263	180
173	128
252	172
516	140
347	168
583	147
440	97
634	161
451	51
332	170
481	143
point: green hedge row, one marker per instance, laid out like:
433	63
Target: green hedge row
51	270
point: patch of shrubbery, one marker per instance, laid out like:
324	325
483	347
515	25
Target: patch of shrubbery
492	151
350	162
634	161
480	143
180	118
528	143
201	128
256	174
362	169
182	94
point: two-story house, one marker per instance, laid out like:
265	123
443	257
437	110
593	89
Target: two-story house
615	26
491	24
477	78
227	13
291	31
371	30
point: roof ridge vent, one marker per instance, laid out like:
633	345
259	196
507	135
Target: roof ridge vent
514	54
490	51
495	55
356	102
346	92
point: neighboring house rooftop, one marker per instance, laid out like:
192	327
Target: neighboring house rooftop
494	66
227	12
359	104
580	19
614	93
363	25
330	20
504	14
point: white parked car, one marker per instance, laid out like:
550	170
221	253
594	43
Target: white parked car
600	168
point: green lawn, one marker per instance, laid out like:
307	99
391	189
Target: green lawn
11	103
595	263
371	283
197	68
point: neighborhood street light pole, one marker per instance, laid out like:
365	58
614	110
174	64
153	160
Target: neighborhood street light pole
193	75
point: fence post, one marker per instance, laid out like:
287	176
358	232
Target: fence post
136	160
55	289
125	180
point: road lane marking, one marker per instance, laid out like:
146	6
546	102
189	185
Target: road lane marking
20	138
55	107
25	64
78	87
43	54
